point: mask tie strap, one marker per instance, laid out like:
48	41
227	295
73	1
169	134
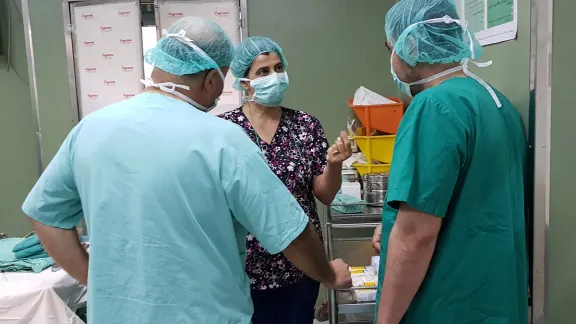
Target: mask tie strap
170	87
479	80
438	76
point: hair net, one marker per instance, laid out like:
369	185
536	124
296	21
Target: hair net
432	42
249	49
174	56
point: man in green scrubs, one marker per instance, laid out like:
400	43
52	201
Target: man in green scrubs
453	245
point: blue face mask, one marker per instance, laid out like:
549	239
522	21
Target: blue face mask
269	90
403	86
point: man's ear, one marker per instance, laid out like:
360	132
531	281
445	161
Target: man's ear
210	79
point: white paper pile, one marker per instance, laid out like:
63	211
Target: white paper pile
355	158
365	97
365	295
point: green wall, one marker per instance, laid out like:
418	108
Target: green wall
561	271
17	126
56	114
18	170
510	70
332	47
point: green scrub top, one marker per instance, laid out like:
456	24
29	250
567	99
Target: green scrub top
460	157
168	193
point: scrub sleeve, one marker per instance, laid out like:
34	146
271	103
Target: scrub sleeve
260	204
54	200
429	154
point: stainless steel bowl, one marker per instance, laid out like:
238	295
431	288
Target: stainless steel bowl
375	196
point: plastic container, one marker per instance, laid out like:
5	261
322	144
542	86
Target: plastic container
377	148
371	168
349	175
384	118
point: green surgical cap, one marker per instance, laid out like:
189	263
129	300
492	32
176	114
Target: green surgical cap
438	42
176	57
249	50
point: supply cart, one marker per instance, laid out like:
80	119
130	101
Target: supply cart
343	309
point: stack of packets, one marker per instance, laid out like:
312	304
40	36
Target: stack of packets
364	277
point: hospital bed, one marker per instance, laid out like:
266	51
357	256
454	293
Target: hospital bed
49	297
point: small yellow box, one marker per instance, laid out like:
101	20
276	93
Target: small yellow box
357	270
379	148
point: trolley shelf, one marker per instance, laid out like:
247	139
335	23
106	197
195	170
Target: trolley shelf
342	307
370	214
358	308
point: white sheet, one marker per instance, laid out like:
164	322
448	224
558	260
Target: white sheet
40	298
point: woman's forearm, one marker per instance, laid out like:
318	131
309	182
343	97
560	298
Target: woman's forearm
327	184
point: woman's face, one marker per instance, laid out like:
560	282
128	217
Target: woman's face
264	65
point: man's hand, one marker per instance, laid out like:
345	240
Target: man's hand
342	276
63	245
376	238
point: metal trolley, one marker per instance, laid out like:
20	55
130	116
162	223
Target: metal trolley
342	307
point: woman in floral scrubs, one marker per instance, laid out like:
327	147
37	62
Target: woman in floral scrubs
296	149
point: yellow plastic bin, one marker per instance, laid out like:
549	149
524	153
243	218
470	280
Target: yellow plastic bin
377	148
371	168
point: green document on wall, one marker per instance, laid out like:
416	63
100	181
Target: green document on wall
492	21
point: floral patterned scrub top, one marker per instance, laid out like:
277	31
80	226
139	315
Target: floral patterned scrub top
296	154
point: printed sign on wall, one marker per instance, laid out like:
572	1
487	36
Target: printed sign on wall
225	14
108	53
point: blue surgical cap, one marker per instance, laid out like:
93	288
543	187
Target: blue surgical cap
249	50
176	57
432	43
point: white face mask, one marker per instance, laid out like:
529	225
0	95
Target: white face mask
170	87
405	87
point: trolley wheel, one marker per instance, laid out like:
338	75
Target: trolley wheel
322	313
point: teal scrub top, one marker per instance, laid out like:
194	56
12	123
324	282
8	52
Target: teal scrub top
168	193
459	157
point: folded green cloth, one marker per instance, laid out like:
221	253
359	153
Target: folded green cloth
40	255
9	262
350	204
27	243
29	252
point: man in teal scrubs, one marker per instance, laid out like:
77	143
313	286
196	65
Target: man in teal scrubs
453	247
169	193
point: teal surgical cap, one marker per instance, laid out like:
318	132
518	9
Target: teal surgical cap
417	41
249	50
174	56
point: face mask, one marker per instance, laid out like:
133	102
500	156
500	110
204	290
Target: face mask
269	90
405	87
170	87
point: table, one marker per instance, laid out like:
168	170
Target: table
40	298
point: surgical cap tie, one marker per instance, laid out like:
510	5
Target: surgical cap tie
181	36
